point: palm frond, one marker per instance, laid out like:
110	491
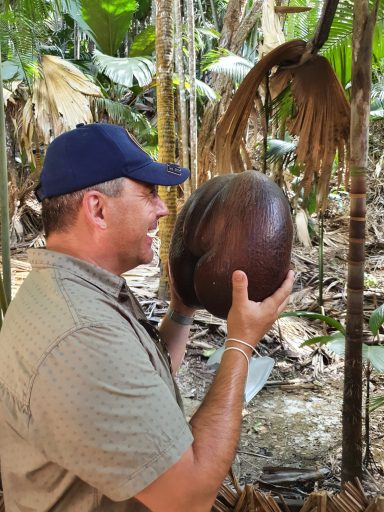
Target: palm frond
208	32
377	114
20	37
377	92
60	100
319	102
282	106
302	25
280	150
233	66
126	71
337	48
204	90
122	114
376	402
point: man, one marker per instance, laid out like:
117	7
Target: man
90	417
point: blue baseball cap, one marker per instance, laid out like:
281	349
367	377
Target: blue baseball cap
95	153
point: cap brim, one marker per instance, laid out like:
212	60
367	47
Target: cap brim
157	173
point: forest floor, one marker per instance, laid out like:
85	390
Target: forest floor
291	430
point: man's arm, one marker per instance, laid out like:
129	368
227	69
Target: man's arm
192	483
175	335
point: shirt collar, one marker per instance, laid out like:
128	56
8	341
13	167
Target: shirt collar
110	283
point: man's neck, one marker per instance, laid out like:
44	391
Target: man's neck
81	247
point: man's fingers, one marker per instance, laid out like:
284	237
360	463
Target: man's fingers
282	294
239	287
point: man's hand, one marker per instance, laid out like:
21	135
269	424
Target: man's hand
192	482
176	301
249	320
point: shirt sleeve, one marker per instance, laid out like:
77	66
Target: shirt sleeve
100	409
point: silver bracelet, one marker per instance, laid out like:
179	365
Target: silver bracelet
242	343
179	318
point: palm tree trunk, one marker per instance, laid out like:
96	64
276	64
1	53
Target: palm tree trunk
364	22
5	243
214	15
192	93
165	127
183	125
76	41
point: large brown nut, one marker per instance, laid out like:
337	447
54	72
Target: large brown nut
232	222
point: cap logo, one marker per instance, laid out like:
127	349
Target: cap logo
174	169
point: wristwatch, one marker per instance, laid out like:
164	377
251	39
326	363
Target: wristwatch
179	318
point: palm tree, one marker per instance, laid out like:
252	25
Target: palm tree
364	23
165	125
5	282
229	135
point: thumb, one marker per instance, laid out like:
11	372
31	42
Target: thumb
239	287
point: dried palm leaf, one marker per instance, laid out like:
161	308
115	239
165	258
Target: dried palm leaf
231	127
321	116
60	100
301	222
321	122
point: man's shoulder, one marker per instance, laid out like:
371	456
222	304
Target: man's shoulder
51	306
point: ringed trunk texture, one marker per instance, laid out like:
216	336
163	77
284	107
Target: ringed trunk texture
166	127
192	94
4	202
360	102
182	109
235	29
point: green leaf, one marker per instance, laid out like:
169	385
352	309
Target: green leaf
127	116
332	322
209	32
311	202
376	402
325	340
108	21
73	8
204	89
376	320
232	65
208	352
377	115
125	71
375	355
337	345
144	43
279	149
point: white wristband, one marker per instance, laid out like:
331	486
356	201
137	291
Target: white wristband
242	343
242	352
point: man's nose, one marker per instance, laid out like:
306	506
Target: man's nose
162	209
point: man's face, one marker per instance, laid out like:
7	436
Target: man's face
133	221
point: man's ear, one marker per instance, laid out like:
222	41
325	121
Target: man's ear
93	205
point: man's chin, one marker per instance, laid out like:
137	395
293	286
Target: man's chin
148	259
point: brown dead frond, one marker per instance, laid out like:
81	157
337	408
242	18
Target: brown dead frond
320	119
232	125
249	499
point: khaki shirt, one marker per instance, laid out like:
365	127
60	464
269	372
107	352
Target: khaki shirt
89	412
